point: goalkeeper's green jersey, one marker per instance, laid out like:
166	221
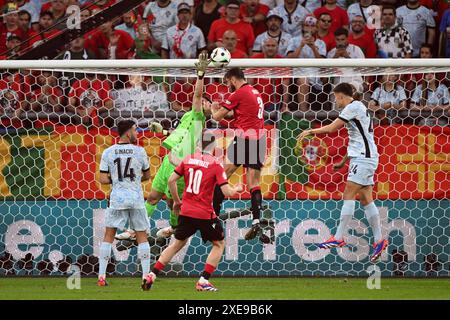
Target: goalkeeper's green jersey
185	137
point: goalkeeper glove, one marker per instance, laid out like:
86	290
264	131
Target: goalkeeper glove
157	127
202	64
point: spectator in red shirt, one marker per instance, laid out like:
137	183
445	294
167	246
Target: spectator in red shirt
229	42
24	21
9	26
108	43
360	37
338	15
244	31
323	30
253	12
85	13
13	44
89	97
46	20
58	9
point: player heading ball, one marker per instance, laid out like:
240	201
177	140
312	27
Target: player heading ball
248	148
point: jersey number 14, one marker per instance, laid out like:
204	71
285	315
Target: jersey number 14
127	173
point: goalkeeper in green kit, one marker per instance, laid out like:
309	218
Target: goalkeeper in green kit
181	142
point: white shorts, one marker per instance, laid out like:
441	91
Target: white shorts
118	219
362	170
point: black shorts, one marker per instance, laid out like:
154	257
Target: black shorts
249	153
210	230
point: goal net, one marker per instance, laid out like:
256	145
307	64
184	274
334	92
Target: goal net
57	117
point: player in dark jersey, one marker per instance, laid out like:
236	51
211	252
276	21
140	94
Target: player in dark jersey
201	172
249	146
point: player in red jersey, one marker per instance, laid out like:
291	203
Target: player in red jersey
202	172
249	146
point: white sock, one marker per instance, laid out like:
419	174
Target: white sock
347	211
105	255
203	280
373	216
255	221
144	256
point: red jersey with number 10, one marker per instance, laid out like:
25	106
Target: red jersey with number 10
248	109
201	173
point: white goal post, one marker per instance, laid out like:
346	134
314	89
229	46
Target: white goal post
243	63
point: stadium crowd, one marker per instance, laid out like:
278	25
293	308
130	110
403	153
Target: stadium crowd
180	29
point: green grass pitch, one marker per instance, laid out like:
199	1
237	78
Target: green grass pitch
230	288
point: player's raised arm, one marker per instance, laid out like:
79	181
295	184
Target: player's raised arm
332	127
201	66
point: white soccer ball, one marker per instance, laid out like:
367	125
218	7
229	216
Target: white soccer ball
220	57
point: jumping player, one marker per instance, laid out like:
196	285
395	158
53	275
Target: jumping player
363	155
249	145
181	142
125	166
201	172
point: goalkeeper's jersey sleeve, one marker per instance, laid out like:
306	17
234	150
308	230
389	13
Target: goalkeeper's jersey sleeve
185	137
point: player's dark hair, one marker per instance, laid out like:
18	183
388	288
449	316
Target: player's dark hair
324	14
340	32
234	72
389	7
124	125
47	13
206	97
429	46
426	45
208	140
236	2
344	88
22	12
